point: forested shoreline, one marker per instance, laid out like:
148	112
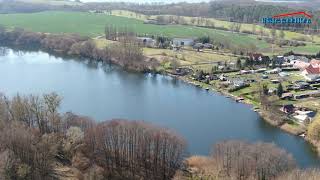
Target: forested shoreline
38	142
127	53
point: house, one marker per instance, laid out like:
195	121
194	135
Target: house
287	96
301	65
223	78
301	85
183	71
288	109
208	46
290	58
244	72
212	77
280	60
315	62
304	115
272	91
183	42
238	83
147	41
302	58
198	46
301	118
308	94
312	72
256	56
274	71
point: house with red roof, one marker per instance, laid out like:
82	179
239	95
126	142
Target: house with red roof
312	72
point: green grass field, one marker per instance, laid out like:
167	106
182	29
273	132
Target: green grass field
217	23
92	25
51	2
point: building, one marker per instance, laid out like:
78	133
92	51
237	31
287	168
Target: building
288	109
198	46
239	83
308	94
301	85
301	65
315	62
147	41
256	56
280	60
183	42
274	71
287	96
312	72
208	46
303	116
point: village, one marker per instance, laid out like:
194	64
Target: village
290	81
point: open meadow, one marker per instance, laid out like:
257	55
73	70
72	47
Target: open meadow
93	24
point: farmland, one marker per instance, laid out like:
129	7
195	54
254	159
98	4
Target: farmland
217	23
91	24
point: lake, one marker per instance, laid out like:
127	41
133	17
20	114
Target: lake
106	92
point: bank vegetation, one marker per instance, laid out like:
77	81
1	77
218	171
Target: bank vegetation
37	142
127	53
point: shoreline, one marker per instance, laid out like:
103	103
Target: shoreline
265	115
102	56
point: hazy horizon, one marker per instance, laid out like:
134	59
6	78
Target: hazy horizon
170	1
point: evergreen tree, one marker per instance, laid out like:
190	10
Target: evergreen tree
239	65
280	90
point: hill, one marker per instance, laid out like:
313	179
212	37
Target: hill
50	2
92	24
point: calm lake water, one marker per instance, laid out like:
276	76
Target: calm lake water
106	92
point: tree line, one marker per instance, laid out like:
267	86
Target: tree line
239	160
35	137
36	141
127	53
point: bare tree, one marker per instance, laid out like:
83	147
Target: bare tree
132	149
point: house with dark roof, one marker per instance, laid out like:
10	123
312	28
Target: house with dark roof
288	109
